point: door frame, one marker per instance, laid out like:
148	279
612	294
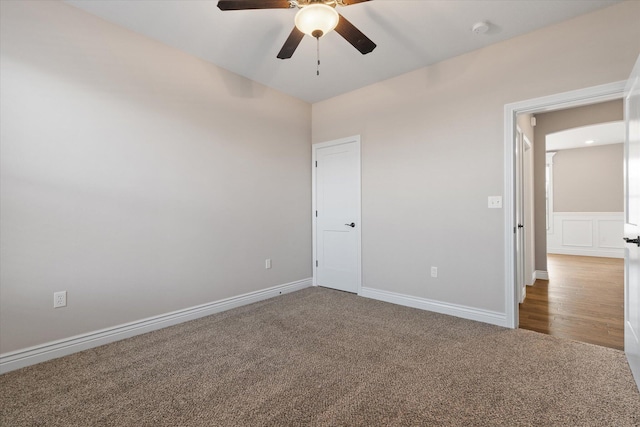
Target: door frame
358	220
575	98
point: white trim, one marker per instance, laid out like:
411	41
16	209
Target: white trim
54	349
610	253
355	139
606	92
540	274
617	215
471	313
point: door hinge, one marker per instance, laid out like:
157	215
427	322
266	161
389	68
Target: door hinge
316	163
316	214
316	263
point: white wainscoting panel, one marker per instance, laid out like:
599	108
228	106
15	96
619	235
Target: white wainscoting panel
577	232
596	234
610	233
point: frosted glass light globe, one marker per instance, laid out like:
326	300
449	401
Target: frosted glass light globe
317	19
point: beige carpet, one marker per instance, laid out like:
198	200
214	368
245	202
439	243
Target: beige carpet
326	358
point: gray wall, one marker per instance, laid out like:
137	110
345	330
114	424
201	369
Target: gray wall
524	123
433	151
143	180
556	121
589	179
138	178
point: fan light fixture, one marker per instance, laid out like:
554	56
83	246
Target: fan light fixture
316	19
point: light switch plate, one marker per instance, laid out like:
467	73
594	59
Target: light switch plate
495	202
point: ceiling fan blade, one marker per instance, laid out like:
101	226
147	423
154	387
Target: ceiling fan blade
291	44
253	4
350	2
354	36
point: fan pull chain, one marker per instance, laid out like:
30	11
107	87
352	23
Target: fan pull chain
318	55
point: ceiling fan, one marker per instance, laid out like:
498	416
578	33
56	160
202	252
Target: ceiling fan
315	18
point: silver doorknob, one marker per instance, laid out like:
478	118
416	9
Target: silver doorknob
353	224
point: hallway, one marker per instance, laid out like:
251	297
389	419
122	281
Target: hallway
583	300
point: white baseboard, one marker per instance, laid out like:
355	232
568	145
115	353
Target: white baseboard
602	253
540	274
480	315
54	349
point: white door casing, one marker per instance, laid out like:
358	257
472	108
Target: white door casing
632	222
336	214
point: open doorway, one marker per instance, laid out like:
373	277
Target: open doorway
577	289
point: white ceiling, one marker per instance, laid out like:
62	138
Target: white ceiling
410	34
600	134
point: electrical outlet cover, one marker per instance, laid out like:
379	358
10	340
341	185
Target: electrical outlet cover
59	299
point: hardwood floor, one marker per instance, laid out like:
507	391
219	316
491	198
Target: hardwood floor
583	300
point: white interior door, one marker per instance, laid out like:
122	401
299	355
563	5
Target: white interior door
519	228
632	222
337	214
529	215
